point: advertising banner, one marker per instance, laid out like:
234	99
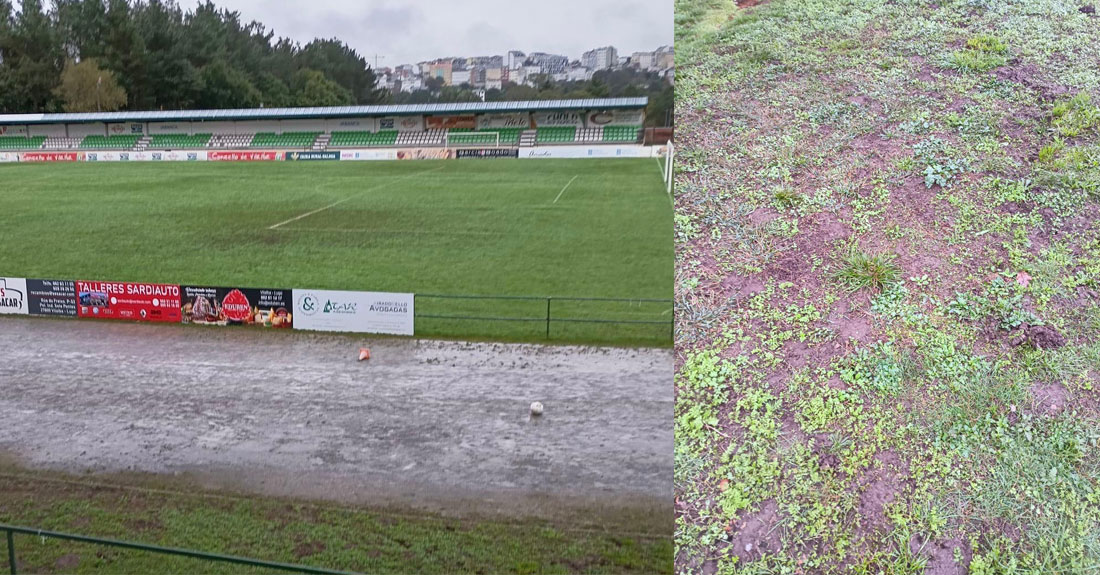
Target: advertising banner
559	119
587	152
401	123
352	125
426	154
125	129
244	156
311	156
13	296
487	153
346	155
490	121
451	122
236	306
52	156
616	118
7	157
13	130
52	297
132	301
348	311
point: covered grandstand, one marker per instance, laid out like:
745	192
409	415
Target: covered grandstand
516	125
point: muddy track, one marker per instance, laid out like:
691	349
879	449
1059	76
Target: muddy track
439	425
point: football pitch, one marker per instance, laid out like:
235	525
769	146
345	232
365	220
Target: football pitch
518	228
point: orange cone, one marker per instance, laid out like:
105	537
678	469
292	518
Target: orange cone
364	354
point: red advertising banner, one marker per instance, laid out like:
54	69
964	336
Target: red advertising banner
244	156
450	122
51	157
128	301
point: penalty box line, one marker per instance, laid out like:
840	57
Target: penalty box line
565	188
336	203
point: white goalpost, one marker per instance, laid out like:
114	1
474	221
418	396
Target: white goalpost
668	172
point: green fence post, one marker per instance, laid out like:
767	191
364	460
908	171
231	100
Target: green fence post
11	551
548	318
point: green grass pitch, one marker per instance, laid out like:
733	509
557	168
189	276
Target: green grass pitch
575	228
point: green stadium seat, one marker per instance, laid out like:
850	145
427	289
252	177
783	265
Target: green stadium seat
109	142
556	135
621	133
21	142
363	139
179	141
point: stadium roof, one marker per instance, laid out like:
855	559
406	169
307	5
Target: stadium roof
329	112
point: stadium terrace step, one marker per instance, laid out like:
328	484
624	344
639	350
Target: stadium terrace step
527	138
321	143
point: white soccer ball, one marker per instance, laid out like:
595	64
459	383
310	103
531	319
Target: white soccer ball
536	408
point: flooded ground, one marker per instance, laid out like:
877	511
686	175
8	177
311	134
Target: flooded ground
438	425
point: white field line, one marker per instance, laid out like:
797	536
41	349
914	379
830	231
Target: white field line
565	188
336	203
408	232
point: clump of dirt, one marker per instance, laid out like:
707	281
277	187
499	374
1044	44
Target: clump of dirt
942	558
1039	336
1088	9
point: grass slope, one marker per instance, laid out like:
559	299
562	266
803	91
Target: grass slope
350	539
502	227
888	266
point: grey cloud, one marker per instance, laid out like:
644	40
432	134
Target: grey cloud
413	30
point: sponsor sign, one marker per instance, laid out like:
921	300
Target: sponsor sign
13	296
118	129
559	119
52	157
490	121
6	157
13	130
401	123
616	118
243	156
487	153
347	311
587	152
352	155
52	297
450	122
312	156
426	154
132	301
236	306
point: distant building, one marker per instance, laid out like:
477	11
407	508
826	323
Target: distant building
643	60
605	58
515	59
549	63
460	77
665	58
441	69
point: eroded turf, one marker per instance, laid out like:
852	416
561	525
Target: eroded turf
888	229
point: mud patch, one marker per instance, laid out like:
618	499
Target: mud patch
757	534
941	558
1049	398
879	488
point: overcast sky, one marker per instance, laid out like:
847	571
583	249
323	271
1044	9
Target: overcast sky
409	31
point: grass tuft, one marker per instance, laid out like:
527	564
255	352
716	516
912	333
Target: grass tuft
860	270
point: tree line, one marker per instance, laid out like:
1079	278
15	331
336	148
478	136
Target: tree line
105	55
